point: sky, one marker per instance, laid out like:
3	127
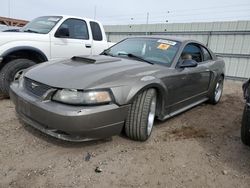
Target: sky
115	12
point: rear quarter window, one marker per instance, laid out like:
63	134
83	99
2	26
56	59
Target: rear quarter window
96	31
206	55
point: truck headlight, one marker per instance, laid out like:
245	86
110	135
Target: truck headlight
75	97
20	81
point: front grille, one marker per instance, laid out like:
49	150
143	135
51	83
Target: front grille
35	88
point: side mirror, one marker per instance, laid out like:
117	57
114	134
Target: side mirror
188	63
62	33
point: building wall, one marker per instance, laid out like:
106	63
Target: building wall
229	40
12	22
2	27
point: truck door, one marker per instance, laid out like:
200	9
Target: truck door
71	39
99	42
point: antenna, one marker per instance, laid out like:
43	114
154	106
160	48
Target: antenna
147	22
95	12
147	17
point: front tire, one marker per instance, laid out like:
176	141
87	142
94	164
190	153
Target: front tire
11	72
245	127
141	116
217	91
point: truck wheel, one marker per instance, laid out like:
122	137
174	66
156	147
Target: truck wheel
141	116
217	91
245	127
11	72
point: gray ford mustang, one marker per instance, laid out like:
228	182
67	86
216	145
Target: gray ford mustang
123	89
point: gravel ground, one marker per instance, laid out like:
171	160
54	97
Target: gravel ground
199	148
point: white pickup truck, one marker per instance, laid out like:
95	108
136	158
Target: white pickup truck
47	38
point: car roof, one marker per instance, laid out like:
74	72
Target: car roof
179	39
76	17
182	40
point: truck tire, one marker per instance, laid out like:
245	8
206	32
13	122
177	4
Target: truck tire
245	126
217	91
11	71
140	120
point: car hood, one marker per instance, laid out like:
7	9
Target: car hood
6	37
90	72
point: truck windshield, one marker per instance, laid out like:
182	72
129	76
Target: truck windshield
151	50
41	25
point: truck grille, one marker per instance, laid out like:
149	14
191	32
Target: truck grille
35	88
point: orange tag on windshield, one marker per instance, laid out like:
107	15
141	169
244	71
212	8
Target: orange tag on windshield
163	46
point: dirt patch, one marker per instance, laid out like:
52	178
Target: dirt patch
187	133
2	96
199	148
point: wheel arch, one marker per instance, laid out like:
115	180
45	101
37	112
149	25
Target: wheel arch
161	92
26	52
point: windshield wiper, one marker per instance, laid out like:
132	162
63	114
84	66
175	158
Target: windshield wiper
30	31
136	57
105	52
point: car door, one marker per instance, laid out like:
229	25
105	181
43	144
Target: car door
190	84
76	42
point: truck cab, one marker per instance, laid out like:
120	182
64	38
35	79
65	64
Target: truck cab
48	38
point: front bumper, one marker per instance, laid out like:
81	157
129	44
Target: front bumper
66	122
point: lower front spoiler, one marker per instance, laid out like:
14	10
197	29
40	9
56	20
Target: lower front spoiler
66	122
112	129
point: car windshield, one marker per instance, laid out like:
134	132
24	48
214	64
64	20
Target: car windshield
152	50
42	25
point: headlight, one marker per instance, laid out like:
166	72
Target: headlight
75	97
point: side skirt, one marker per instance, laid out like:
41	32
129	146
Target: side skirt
183	109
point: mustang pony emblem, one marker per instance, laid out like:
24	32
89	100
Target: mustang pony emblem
33	85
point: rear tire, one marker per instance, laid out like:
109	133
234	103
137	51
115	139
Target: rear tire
217	91
11	71
245	127
141	116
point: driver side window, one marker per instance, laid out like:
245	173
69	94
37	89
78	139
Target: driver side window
192	51
77	28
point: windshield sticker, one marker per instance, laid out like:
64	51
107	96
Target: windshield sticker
163	46
53	19
172	43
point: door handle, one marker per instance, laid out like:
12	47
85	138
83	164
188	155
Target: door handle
88	45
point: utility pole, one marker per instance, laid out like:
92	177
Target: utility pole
167	16
95	12
147	22
147	17
131	22
9	8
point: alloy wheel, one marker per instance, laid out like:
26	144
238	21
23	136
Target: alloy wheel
151	116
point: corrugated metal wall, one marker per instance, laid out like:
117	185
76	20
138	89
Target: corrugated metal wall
229	40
